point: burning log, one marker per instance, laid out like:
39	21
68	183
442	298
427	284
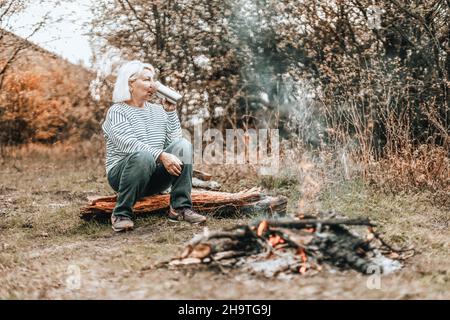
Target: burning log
208	202
270	247
310	223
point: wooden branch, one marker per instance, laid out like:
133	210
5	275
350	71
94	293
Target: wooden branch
202	175
295	238
239	233
136	15
4	13
228	254
20	47
311	223
210	185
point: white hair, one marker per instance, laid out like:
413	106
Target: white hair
128	71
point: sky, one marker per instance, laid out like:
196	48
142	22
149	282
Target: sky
65	34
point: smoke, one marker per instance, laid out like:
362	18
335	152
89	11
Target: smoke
276	92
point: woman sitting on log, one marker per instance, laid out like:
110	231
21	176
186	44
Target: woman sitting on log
145	151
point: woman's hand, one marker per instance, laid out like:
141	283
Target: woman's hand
168	106
171	163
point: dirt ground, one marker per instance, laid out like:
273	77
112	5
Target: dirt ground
47	252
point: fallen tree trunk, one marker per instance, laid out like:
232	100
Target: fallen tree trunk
210	202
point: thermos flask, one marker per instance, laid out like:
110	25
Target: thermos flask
169	94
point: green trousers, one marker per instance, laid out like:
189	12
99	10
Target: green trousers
139	175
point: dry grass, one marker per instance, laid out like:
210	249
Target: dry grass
42	236
424	168
398	143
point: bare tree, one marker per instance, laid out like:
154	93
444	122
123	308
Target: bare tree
11	46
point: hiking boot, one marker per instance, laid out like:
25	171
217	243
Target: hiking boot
185	214
120	223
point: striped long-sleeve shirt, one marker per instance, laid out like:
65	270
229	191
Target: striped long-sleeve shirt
129	129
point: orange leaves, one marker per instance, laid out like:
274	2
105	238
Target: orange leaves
19	82
38	98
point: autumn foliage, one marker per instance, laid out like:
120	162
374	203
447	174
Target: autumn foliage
46	99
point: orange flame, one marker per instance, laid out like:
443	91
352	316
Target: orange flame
303	267
275	239
262	227
302	253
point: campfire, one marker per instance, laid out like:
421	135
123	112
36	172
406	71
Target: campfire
275	245
302	245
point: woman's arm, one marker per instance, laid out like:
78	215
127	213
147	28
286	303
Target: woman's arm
173	130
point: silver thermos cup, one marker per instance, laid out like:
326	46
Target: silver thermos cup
169	94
